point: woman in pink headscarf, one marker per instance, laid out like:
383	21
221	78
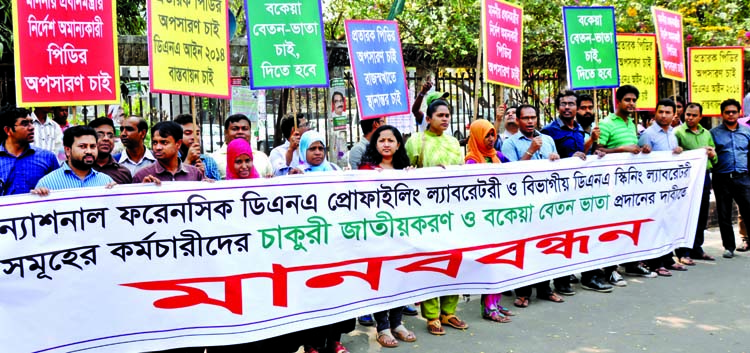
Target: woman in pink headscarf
240	160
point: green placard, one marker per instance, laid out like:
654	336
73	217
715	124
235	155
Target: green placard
286	44
591	47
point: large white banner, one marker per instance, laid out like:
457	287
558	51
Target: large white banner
139	268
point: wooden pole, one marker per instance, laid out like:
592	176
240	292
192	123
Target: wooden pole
294	107
596	110
674	88
477	89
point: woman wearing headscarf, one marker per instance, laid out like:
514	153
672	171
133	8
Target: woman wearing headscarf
481	147
240	160
433	148
312	154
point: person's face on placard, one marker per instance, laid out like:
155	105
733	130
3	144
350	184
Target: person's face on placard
164	148
338	103
105	139
82	155
243	166
239	129
315	154
693	116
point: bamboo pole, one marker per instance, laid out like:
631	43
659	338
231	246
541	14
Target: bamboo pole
477	89
596	111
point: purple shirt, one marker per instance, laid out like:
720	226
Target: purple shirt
117	172
185	172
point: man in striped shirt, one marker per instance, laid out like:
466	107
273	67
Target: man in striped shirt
77	172
47	133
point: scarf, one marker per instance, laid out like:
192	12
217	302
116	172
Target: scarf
477	150
235	149
308	139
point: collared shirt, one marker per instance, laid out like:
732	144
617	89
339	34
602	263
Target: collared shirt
567	141
260	161
278	159
209	165
48	136
116	171
185	172
515	147
19	175
134	167
356	153
692	140
66	178
731	148
658	139
616	132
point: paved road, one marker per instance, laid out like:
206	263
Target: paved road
701	310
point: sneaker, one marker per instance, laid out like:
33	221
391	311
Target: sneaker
366	320
616	279
638	271
728	254
595	284
410	310
573	279
566	290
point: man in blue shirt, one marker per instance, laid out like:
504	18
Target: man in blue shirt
660	137
528	144
730	178
81	151
21	165
565	130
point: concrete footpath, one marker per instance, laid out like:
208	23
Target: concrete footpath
701	310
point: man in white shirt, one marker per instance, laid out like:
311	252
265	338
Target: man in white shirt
47	135
286	157
238	126
136	155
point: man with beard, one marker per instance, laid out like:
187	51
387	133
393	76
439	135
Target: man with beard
585	117
136	156
77	172
60	116
618	135
105	163
569	139
21	164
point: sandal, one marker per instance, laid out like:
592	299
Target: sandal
503	310
687	261
339	348
496	316
453	321
521	302
677	267
386	339
401	333
434	327
554	298
744	247
707	257
661	271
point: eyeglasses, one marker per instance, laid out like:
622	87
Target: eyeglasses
567	104
25	123
731	112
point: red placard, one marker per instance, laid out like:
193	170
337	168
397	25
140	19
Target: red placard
65	52
502	26
668	26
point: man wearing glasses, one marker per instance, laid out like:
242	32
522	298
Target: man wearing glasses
730	178
21	164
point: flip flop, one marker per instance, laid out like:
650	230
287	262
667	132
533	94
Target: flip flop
496	316
386	339
677	267
401	333
661	271
687	261
522	302
554	298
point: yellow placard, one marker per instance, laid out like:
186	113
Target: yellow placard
636	56
189	47
715	75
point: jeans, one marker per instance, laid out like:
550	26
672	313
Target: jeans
697	250
727	189
389	318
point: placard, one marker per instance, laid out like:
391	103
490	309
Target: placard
668	25
636	58
65	52
188	44
591	47
502	31
191	264
377	67
286	44
716	74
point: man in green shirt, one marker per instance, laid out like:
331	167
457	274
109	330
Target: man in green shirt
691	135
618	134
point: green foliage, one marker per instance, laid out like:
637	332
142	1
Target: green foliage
6	28
131	17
